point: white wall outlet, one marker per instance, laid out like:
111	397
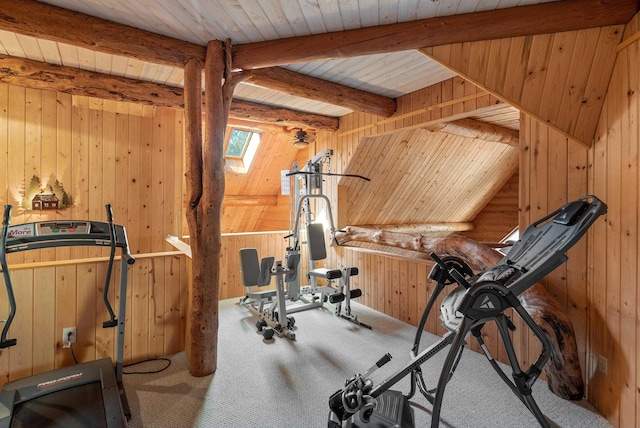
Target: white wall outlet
68	336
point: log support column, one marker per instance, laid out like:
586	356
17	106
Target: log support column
205	192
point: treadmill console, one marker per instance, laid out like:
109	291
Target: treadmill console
49	228
52	228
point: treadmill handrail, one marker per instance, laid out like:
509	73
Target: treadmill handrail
105	234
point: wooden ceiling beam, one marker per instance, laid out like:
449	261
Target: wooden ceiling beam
420	228
45	21
566	15
250	200
304	86
470	128
39	75
49	22
247	110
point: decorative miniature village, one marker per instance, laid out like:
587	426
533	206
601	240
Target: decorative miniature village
39	197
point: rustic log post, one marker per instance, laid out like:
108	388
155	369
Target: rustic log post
564	376
203	322
193	163
205	190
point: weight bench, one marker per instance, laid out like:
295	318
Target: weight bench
335	296
475	301
269	305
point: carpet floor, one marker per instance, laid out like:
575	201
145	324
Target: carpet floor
284	383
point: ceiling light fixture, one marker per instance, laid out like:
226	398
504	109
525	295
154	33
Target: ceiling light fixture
301	139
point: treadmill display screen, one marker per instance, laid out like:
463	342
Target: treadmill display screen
51	228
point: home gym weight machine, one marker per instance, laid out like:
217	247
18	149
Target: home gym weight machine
476	300
85	394
274	306
307	186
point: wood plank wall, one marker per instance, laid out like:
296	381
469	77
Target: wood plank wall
500	216
102	152
394	285
613	298
598	286
560	78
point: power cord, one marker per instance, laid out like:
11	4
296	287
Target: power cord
168	361
70	346
73	354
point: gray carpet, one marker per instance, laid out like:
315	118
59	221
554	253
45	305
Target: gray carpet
283	383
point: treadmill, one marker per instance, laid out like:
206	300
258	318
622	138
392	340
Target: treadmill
88	394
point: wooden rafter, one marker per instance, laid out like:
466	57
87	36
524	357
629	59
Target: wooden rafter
39	75
49	22
256	112
250	200
541	18
300	85
420	228
470	128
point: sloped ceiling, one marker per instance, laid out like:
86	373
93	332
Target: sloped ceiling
560	79
419	177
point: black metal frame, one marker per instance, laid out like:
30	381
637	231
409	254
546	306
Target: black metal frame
98	234
479	300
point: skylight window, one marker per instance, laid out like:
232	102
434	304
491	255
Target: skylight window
242	145
238	142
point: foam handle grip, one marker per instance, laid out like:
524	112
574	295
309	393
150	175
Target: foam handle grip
7	215
384	360
109	213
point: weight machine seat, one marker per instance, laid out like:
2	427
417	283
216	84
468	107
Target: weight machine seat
255	273
318	251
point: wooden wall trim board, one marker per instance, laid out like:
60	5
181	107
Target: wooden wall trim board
67	262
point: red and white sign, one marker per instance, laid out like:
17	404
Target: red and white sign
22	230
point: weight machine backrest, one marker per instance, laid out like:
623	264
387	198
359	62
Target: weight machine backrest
254	272
315	238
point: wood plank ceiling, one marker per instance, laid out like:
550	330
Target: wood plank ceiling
332	57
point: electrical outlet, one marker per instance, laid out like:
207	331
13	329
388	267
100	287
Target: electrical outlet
602	364
68	336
